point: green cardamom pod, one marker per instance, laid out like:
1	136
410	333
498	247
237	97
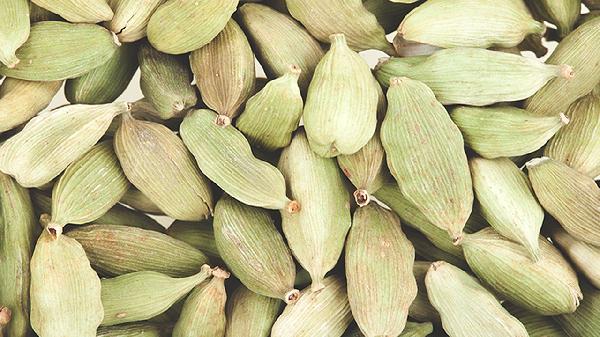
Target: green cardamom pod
426	250
583	256
421	309
135	199
133	330
250	314
563	14
388	13
93	11
37	14
585	322
412	330
14	25
536	325
199	235
131	18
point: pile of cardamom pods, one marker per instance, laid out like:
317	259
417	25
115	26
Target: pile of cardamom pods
449	191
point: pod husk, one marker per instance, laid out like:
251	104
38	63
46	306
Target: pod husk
137	200
426	250
536	325
14	25
37	14
421	309
250	314
585	322
93	11
583	256
563	14
131	18
412	330
133	330
199	235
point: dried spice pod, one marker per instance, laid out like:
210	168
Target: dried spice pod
157	163
340	114
54	139
117	250
203	313
250	314
585	322
21	100
412	330
316	233
536	325
426	250
569	196
254	250
505	131
278	41
583	256
145	294
388	13
133	330
37	14
475	76
224	71
178	27
421	309
546	287
14	25
93	11
317	313
450	288
563	14
425	154
131	18
199	235
379	271
137	200
59	50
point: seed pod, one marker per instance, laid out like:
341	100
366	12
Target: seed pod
72	10
21	100
250	314
233	167
388	13
475	76
379	272
412	330
579	50
14	25
421	309
507	201
563	14
59	50
340	114
157	163
352	19
505	131
450	288
203	313
316	234
37	14
584	256
133	330
425	250
137	200
131	18
54	139
317	313
107	82
65	290
418	145
199	235
145	294
569	196
179	27
547	287
585	322
536	325
165	81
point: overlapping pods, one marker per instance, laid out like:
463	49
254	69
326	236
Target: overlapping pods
131	18
14	24
250	314
72	10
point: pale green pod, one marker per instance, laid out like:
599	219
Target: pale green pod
199	235
466	308
203	313
425	154
165	81
157	163
133	330
131	18
137	200
421	309
316	233
65	290
90	186
59	50
547	287
118	250
21	100
563	14
505	131
412	329
389	13
351	19
507	202
474	76
536	325
233	167
578	49
340	114
254	250
93	11
178	27
54	139
250	314
224	71
379	272
426	250
585	322
317	313
145	294
569	196
14	30
37	14
584	256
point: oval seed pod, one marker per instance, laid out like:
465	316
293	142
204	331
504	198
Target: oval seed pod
379	271
459	298
421	309
475	76
14	25
507	201
178	27
93	11
65	290
547	287
317	313
412	330
157	163
250	314
203	313
536	325
254	250
505	131
224	71
145	294
131	18
118	250
316	233
418	134
570	197
59	50
54	139
585	321
21	100
584	256
165	81
563	14
233	167
199	235
133	330
137	200
340	115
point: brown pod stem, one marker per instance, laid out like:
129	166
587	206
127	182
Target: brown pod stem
223	120
293	207
292	296
362	197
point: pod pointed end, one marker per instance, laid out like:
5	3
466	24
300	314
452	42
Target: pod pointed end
5	316
564	119
223	121
536	161
566	71
362	197
457	237
220	273
293	207
292	296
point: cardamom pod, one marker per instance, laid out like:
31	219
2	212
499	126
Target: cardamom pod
583	256
426	250
536	325
199	235
137	200
563	14
585	322
388	13
14	25
131	18
412	330
133	330
74	11
37	14
421	309
250	314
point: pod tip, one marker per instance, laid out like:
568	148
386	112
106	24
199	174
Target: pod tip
223	120
566	71
337	38
292	296
395	81
11	61
457	238
436	265
55	230
116	39
293	207
536	161
220	273
294	69
5	316
317	285
380	62
362	197
564	119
